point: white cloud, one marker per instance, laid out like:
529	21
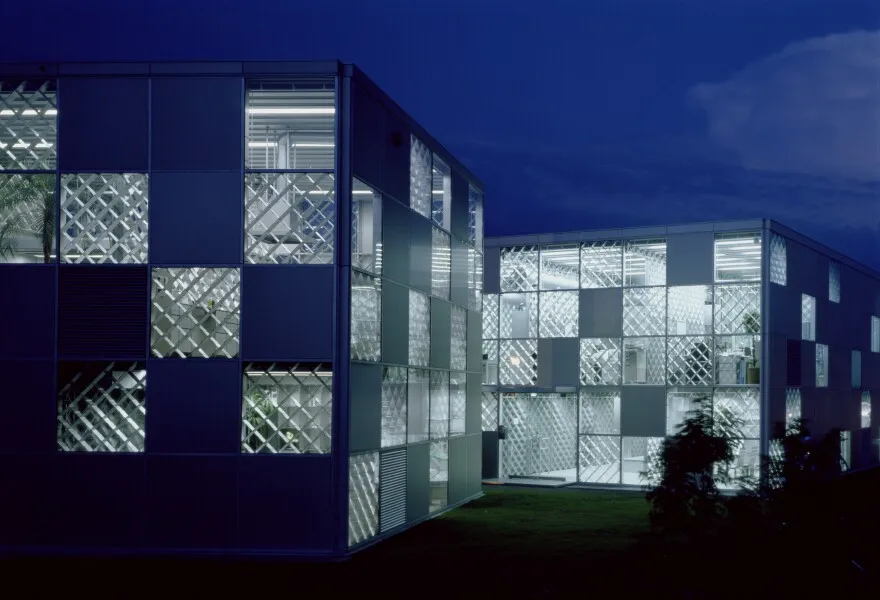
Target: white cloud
813	108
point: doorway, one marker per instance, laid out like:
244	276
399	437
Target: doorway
541	438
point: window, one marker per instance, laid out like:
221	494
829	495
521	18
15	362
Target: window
519	269
866	409
875	334
738	359
418	405
439	474
366	317
792	406
489	402
808	318
475	217
419	329
689	310
27	217
439	398
737	308
28	125
519	316
558	314
644	262
441	263
601	264
600	361
834	282
518	362
441	193
738	256
644	311
363	497
778	260
821	365
856	367
366	228
420	180
394	402
458	342
560	266
644	360
457	403
689	360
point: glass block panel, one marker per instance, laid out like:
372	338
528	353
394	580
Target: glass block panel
439	396
644	360
475	217
644	262
420	177
394	401
195	312
638	457
743	404
518	362
519	269
441	193
490	316
689	310
600	412
291	124
875	334
28	125
440	263
679	402
644	311
737	308
27	218
366	317
738	359
439	474
290	218
490	362
689	360
558	314
845	450
599	459
866	409
518	316
417	412
792	406
738	256
778	260
490	411
560	267
363	497
475	283
457	403
602	264
419	329
746	460
808	318
821	365
287	408
834	282
104	218
458	344
600	361
366	228
101	408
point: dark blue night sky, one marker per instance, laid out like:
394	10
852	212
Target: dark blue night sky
576	114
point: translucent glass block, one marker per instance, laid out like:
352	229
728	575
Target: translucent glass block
689	310
644	361
439	474
778	260
101	409
821	365
738	256
27	218
420	177
845	450
680	402
471	275
457	403
600	361
490	411
366	228
441	193
290	218
490	362
475	217
104	218
287	408
644	311
600	412
731	405
418	405
552	419
737	359
792	406
439	426
518	316
490	316
440	263
808	318
458	344
638	457
394	401
746	460
419	329
834	282
28	125
737	309
602	264
195	312
599	459
866	409
518	362
366	317
644	262
875	334
363	497
519	269
558	314
475	283
689	361
560	267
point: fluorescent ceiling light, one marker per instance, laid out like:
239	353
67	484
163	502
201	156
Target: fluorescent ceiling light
262	144
437	192
292	110
362	193
296	145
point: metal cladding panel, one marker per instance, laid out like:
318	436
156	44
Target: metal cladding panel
601	313
418	491
29	494
474	341
459	215
643	411
365	398
392	489
794	363
474	411
776	363
690	258
30	297
492	271
395	330
784	316
475	464
28	403
419	252
369	138
395	242
458	469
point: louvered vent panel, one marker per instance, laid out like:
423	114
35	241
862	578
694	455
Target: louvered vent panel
793	363
392	490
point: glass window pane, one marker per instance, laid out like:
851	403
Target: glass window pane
457	402
821	365
689	310
363	497
866	409
519	315
441	193
475	217
27	218
738	256
681	401
689	360
834	282
599	459
738	308
638	457
440	263
419	329
490	316
808	318
519	269
602	264
875	334
28	125
644	360
600	412
394	401
644	311
737	411
518	362
420	177
644	262
738	359
600	361
490	411
417	411
439	426
366	228
366	317
458	343
792	406
439	474
778	260
560	267
558	314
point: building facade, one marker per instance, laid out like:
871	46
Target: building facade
241	311
596	344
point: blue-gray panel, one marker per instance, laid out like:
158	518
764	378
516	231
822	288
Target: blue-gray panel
196	68
287	313
784	316
475	463
191	501
831	323
27	403
690	258
31	333
777	411
193	406
808	364
459	275
474	341
29	70
368	138
474	407
458	469
601	313
419	252
871	376
643	411
196	218
103	68
395	324
304	67
441	333
459	205
492	271
418	492
566	362
103	124
545	363
777	359
397	146
395	241
196	124
839	368
365	410
807	270
286	503
28	492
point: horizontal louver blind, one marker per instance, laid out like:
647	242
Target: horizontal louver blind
793	363
102	312
392	489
